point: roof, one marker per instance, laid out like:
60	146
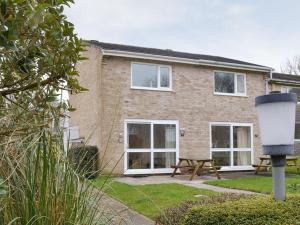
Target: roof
171	53
285	77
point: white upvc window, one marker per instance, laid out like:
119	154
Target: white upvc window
151	76
151	146
229	83
296	90
231	145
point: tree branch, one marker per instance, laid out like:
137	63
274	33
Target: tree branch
30	86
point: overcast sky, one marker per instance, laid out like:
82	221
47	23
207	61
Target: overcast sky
265	32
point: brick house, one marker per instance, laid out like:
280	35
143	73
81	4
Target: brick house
146	107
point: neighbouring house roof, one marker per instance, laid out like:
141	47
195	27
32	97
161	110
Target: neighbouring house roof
284	78
174	56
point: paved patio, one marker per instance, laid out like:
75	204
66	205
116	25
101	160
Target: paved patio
197	182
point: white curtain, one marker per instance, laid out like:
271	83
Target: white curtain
170	142
243	142
170	137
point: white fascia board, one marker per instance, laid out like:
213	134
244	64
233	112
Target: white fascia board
184	60
284	81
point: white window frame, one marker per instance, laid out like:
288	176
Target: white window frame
152	150
158	88
284	89
235	84
231	149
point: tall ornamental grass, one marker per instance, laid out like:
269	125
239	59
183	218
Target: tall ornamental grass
40	187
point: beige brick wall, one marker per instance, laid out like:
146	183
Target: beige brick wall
88	104
192	102
275	87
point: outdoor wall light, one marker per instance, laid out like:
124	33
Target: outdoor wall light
120	138
182	132
276	116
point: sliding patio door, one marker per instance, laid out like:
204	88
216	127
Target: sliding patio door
231	145
150	146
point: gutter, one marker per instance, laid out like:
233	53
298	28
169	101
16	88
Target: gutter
267	80
271	74
184	60
281	81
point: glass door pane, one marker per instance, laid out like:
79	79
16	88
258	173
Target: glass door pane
220	136
241	137
164	136
221	158
164	159
242	158
139	160
139	136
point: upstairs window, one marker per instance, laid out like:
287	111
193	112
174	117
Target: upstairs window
227	83
151	77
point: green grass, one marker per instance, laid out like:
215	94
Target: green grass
258	184
150	200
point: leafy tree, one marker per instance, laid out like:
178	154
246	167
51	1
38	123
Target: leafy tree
38	54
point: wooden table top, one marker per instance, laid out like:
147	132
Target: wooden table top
198	160
269	158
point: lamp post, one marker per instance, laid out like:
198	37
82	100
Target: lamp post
276	116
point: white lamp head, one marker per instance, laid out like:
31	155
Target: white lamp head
276	116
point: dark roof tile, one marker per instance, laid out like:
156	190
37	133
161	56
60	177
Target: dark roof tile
284	76
168	52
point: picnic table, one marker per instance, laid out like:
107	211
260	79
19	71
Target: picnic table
197	166
265	162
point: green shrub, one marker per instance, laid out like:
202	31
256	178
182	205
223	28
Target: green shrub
252	211
173	215
84	158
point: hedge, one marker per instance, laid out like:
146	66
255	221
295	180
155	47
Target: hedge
173	215
84	158
251	211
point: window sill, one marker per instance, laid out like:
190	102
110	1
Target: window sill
152	89
233	95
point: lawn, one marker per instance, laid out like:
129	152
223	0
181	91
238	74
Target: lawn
259	184
149	200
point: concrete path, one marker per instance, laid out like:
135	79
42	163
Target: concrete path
113	212
198	182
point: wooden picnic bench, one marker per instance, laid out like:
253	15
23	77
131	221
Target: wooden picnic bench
196	166
265	162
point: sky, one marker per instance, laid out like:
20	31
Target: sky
265	32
